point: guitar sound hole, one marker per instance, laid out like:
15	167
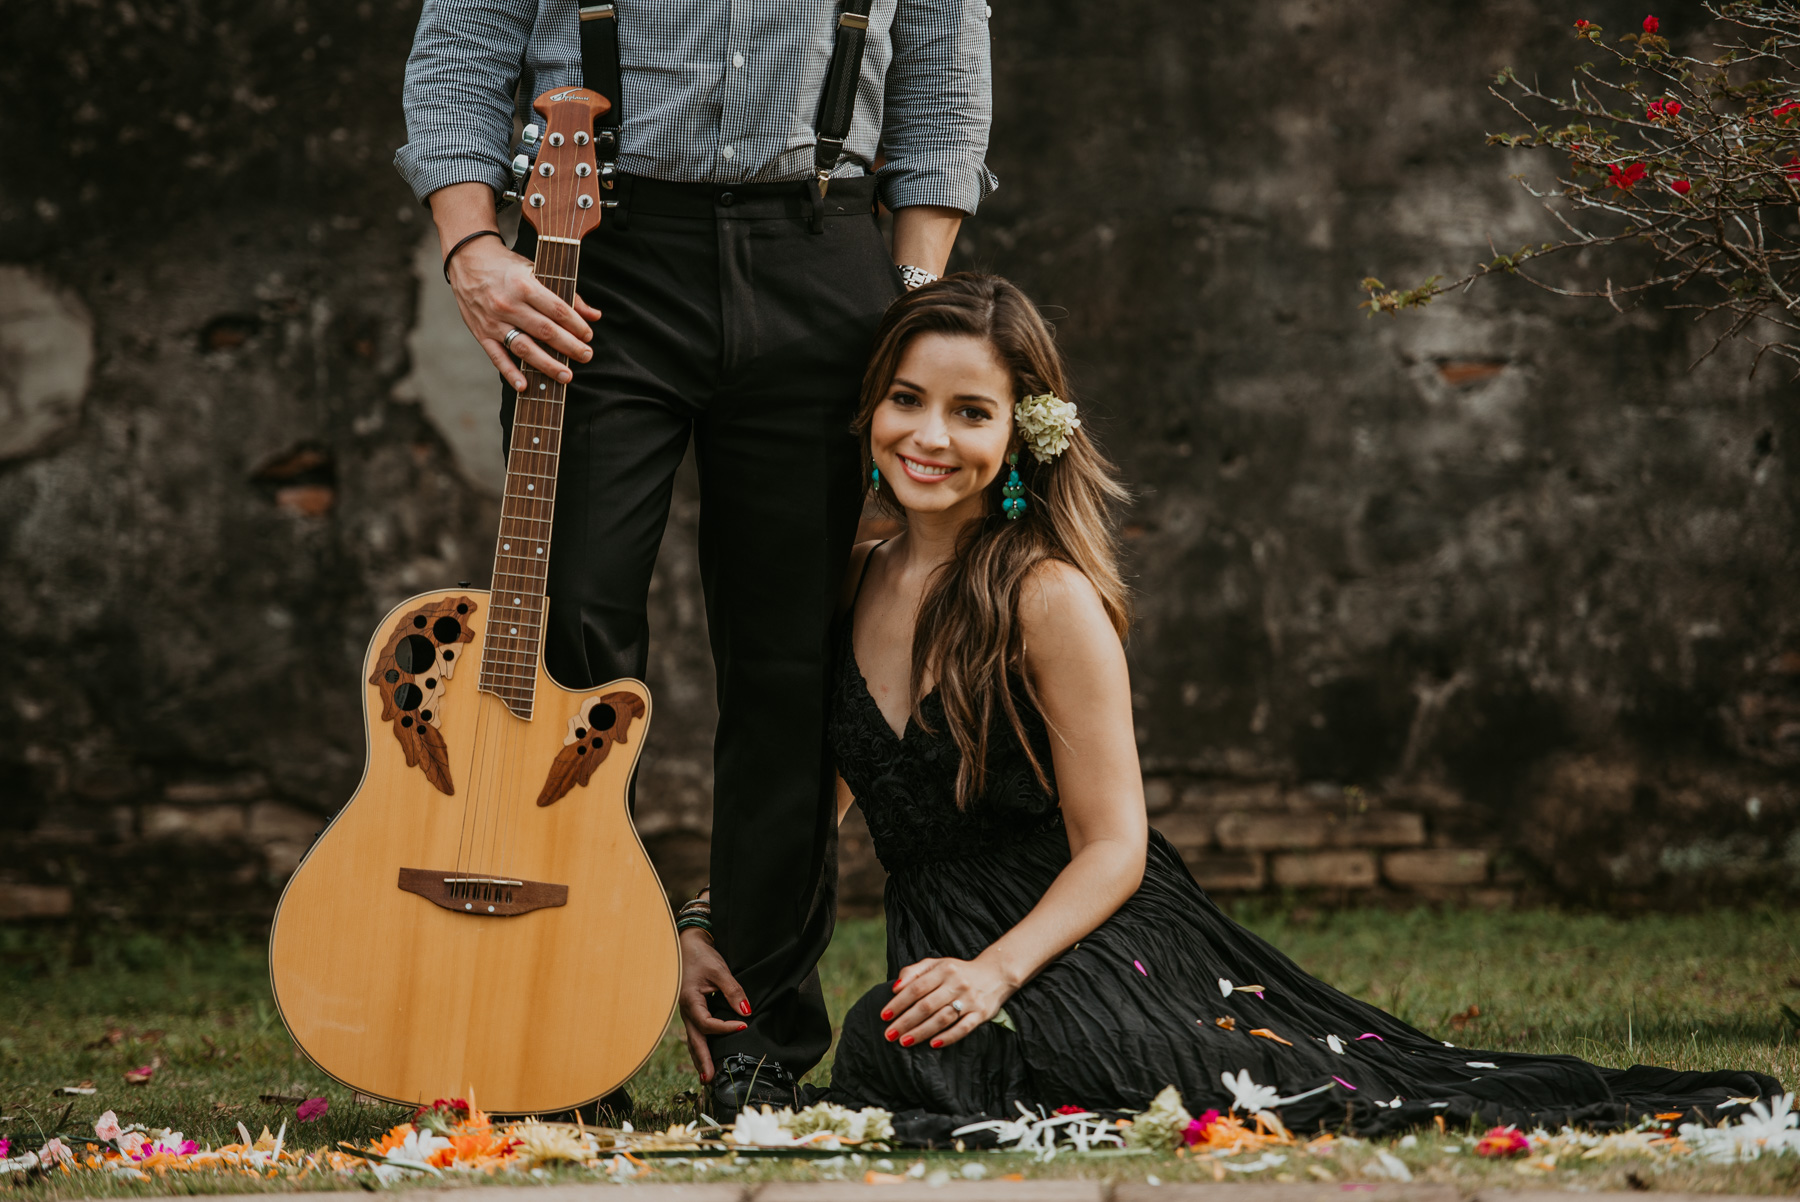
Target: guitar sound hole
408	696
602	717
446	629
415	653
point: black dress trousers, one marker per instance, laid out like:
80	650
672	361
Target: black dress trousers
727	318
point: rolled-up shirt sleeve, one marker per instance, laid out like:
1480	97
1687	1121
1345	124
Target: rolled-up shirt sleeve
460	82
939	107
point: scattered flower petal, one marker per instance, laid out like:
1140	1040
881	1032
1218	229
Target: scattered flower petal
1503	1142
1335	1044
1370	1035
1482	1064
1344	1083
1137	964
1265	1033
312	1110
1226	1023
1224	987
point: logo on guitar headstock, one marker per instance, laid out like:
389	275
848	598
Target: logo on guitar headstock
563	196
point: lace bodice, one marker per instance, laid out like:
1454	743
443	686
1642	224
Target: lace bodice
906	786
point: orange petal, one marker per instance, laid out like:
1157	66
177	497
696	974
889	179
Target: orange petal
1268	1034
1673	1114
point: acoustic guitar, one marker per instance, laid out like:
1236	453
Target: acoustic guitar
481	914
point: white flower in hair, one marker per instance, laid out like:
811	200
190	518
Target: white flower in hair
1045	422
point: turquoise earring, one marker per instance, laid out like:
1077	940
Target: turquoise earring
1013	491
875	478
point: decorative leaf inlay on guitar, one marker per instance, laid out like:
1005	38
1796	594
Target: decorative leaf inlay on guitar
417	661
597	725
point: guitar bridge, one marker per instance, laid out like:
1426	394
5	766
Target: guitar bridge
485	896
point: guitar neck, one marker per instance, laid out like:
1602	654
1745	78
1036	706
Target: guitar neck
516	607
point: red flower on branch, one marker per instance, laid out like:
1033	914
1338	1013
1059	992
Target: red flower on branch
1627	179
1583	26
1792	168
1663	110
1785	112
1651	25
1681	186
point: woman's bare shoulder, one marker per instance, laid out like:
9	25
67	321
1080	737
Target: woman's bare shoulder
859	559
1057	600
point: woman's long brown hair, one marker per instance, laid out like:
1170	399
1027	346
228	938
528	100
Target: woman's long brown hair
968	637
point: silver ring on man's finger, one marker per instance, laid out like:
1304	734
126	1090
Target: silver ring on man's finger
508	340
956	1005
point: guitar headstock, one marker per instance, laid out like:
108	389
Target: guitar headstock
562	197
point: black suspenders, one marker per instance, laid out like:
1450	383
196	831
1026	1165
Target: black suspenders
837	106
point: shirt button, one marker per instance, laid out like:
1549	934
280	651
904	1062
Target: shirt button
727	199
737	60
728	152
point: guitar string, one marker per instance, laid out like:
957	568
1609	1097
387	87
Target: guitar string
495	768
555	259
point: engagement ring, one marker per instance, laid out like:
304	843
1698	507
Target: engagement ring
957	1006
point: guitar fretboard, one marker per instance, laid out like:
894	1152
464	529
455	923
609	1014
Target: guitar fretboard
516	607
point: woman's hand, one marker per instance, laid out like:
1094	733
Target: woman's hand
921	1009
703	971
497	294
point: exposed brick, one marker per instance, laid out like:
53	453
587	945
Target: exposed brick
1270	832
1325	869
1381	828
35	901
1224	872
193	822
204	792
282	857
1435	866
270	820
1160	794
1220	797
1188	831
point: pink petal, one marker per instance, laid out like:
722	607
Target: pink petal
1139	966
1343	1082
1370	1035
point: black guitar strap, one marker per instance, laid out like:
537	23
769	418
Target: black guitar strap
837	106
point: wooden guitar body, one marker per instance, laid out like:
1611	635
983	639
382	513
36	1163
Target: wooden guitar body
482	914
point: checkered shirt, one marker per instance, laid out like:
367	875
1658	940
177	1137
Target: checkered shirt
715	91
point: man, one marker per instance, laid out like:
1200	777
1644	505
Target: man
740	300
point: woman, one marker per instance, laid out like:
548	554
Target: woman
982	719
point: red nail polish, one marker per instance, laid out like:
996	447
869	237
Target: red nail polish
887	1016
892	1036
937	1043
907	1042
744	1006
743	1026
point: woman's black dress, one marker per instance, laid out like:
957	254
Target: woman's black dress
1132	1007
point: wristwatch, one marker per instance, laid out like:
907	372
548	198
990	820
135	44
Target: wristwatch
915	277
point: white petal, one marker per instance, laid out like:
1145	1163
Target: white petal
1225	987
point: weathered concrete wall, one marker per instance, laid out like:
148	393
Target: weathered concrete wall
1496	597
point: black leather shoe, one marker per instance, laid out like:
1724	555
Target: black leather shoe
745	1080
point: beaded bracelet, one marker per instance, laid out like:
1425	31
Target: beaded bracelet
698	922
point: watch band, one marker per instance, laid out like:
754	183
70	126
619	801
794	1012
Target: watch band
915	277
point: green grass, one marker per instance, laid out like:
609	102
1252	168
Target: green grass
1695	991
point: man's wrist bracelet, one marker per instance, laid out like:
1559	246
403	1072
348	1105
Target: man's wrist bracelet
466	239
915	277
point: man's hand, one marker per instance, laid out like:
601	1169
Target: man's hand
921	1008
703	971
497	293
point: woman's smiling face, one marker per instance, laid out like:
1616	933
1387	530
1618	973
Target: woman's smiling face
941	434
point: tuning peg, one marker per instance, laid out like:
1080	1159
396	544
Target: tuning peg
530	136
